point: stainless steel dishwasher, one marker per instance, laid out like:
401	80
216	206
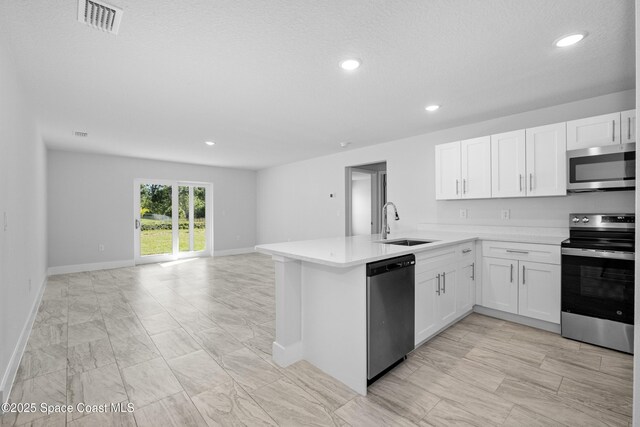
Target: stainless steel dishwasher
390	313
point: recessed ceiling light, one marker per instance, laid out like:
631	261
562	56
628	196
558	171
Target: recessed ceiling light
431	108
350	64
570	39
210	143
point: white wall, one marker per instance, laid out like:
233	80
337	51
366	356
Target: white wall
294	202
23	245
90	202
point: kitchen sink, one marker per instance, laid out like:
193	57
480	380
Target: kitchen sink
406	242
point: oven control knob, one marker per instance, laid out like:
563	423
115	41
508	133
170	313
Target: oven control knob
575	220
585	220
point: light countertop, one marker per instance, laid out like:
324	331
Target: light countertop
356	250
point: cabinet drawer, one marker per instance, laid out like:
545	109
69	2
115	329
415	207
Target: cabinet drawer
467	250
549	254
428	260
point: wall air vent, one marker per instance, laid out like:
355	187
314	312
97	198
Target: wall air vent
99	15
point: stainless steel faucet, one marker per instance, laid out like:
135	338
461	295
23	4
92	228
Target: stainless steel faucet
385	225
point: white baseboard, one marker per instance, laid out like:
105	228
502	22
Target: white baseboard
516	318
285	356
12	368
79	268
238	251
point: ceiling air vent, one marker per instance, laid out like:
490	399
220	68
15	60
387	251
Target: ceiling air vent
81	134
99	15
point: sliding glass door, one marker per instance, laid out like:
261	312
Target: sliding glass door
171	220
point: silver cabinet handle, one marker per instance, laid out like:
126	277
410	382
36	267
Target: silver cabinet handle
473	271
456	186
520	181
523	281
466	251
530	182
444	283
513	251
511	280
438	279
613	130
629	130
137	224
464	186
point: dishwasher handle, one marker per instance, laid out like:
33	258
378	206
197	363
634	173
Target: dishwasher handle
389	265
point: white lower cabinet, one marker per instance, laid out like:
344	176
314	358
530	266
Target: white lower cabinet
499	290
539	291
444	288
515	285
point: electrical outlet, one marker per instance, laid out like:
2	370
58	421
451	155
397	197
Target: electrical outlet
505	214
5	221
238	238
29	285
101	247
463	213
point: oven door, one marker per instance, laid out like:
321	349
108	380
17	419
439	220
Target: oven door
610	167
598	284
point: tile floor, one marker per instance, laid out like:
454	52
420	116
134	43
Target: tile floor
190	343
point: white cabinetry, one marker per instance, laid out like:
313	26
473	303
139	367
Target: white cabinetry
499	291
466	277
443	294
547	160
448	171
508	165
529	163
515	281
628	126
463	169
593	131
476	168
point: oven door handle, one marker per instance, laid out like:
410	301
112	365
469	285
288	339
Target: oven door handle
592	253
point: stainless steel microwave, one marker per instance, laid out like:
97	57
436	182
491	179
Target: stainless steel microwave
611	167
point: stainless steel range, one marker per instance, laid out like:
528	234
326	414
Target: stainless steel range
598	280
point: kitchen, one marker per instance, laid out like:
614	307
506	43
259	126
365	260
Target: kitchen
284	196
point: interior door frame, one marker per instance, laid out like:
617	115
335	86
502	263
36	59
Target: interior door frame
176	254
378	195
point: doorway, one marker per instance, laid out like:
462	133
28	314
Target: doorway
366	194
171	220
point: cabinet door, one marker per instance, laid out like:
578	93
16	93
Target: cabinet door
628	126
500	284
508	166
593	131
539	295
547	160
446	301
448	171
465	290
476	167
425	305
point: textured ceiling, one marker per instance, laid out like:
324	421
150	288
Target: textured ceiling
261	78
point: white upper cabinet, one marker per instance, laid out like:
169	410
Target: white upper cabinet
476	168
593	131
448	171
508	167
546	160
628	126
